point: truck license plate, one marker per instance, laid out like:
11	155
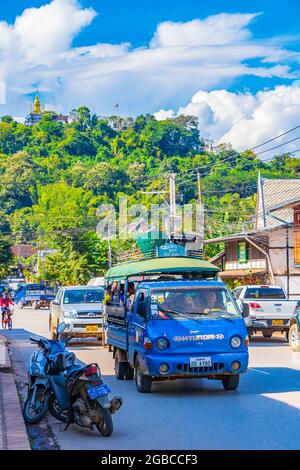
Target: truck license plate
91	328
277	322
200	362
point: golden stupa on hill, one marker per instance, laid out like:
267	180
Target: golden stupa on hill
36	112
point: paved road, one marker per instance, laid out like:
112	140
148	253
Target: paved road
189	414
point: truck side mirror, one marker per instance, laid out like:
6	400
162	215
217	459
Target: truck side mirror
245	310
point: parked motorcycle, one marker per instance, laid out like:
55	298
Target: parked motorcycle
71	392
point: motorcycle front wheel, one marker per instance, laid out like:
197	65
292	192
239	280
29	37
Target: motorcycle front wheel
56	411
105	425
35	411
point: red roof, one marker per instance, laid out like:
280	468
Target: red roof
23	250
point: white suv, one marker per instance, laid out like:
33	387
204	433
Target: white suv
80	308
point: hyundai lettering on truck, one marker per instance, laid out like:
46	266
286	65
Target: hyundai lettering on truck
172	318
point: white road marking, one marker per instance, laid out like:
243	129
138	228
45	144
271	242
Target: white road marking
260	371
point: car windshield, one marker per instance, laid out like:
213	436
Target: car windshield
197	301
264	293
84	296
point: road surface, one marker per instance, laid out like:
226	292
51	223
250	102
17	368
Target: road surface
264	413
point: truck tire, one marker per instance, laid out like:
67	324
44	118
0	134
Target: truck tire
120	368
267	334
294	338
287	335
129	374
231	382
143	382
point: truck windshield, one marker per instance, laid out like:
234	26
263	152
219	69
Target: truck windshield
264	293
83	296
199	301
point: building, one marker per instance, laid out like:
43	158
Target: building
270	253
36	114
23	251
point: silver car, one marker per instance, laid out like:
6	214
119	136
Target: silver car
80	308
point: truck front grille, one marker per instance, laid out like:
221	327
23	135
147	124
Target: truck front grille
187	369
90	316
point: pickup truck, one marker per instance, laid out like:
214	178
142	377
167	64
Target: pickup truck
269	308
35	295
181	322
80	308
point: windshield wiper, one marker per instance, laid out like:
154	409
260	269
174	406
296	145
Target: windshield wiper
186	316
215	315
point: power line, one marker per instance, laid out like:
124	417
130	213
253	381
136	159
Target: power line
277	146
274	138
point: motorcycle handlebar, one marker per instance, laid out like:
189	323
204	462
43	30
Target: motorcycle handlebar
69	339
33	340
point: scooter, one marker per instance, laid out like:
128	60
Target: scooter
72	393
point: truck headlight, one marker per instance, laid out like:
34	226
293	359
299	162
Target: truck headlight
162	343
235	342
68	314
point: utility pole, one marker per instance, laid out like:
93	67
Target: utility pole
109	249
172	191
199	189
199	214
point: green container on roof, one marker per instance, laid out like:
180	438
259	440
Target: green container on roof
149	240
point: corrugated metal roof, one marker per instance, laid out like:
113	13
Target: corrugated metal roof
275	192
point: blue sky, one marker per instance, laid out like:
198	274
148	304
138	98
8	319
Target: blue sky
165	56
136	20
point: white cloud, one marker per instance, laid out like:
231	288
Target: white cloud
246	120
215	30
181	58
46	31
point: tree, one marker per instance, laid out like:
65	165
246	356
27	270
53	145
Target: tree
17	188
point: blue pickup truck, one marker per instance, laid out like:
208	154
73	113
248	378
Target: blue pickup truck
174	319
35	295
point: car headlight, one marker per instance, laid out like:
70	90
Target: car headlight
235	342
68	314
162	343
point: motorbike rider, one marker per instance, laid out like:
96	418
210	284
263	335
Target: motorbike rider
5	302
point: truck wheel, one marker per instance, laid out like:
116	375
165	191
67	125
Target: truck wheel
267	334
231	382
143	382
287	335
120	368
294	339
20	304
129	374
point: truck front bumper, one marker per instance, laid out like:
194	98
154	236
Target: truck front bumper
179	365
270	324
83	327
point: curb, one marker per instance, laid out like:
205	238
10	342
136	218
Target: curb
13	434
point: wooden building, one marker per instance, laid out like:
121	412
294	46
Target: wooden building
270	253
